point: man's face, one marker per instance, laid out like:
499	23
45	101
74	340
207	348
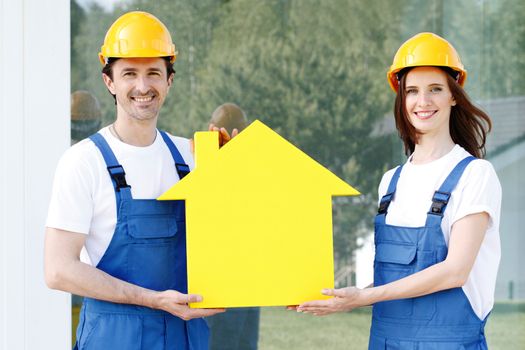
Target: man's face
140	86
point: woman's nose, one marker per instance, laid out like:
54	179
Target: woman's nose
423	99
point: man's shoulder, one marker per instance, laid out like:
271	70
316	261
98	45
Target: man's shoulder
82	150
182	143
177	139
80	157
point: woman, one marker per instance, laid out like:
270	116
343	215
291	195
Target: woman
437	227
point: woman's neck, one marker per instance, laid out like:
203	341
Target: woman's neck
428	149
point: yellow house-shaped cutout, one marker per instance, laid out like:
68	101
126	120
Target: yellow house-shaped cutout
258	221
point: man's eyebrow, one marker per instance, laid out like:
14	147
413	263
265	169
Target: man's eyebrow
132	69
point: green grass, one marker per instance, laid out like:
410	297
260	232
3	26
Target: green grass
287	330
282	329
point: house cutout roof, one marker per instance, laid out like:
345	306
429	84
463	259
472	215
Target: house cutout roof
258	221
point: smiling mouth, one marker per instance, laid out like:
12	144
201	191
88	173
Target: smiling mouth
425	114
142	99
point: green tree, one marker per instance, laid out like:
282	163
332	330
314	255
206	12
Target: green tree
313	71
313	74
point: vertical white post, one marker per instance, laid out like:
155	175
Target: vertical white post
34	131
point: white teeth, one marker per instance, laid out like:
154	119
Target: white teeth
143	99
424	114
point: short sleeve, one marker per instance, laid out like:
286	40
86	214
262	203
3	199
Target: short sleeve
71	205
481	192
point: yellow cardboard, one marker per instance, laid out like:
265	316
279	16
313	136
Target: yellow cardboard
258	221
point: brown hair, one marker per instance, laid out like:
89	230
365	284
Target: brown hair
468	124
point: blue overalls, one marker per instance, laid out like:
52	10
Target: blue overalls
438	321
148	249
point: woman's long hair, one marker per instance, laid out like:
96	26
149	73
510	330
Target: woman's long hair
468	124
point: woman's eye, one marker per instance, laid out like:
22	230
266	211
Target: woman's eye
436	89
411	91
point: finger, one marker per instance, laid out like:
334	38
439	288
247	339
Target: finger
193	298
317	310
328	291
195	313
235	132
211	126
225	135
292	307
314	303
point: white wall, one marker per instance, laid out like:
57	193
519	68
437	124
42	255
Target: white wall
34	131
510	167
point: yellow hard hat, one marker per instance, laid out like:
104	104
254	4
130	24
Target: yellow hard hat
426	49
137	34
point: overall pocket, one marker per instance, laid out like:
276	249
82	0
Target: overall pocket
112	331
393	261
152	251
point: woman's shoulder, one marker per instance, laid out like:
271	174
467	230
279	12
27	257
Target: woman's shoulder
385	181
478	166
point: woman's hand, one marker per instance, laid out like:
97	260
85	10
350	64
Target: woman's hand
224	136
344	299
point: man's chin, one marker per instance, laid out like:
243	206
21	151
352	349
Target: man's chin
145	116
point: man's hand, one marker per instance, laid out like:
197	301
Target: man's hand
344	299
177	304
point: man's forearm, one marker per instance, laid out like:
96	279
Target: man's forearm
82	279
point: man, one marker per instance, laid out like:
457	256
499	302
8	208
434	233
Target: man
107	238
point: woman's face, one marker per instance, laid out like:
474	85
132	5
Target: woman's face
428	100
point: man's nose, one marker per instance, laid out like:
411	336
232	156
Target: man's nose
142	84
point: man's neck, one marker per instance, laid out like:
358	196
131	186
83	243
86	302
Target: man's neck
140	133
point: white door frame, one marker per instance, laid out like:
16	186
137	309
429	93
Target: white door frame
34	132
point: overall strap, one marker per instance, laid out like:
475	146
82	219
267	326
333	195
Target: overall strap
115	170
441	197
182	168
387	198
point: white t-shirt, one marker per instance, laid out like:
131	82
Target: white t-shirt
83	198
477	191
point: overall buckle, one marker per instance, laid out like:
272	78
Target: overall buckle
119	176
439	201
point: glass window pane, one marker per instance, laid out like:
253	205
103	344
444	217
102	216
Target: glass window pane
315	72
